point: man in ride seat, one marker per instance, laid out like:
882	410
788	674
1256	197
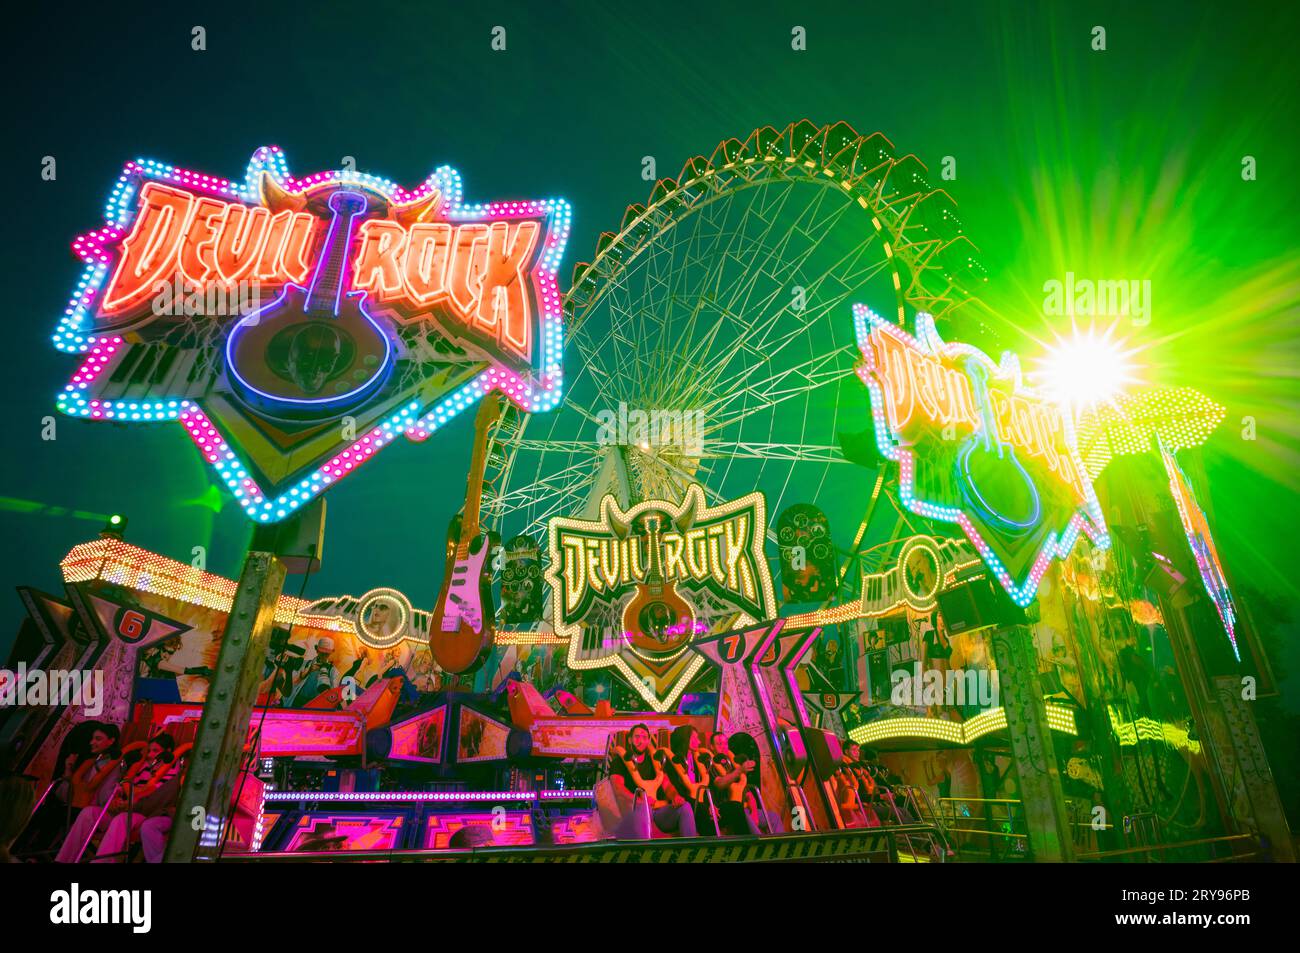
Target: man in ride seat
638	775
854	788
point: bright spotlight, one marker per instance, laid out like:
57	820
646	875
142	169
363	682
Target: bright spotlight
1085	370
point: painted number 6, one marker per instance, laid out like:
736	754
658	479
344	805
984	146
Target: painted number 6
131	625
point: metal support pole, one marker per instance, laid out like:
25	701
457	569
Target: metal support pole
1251	765
219	745
1046	819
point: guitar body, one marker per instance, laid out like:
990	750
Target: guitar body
461	630
654	608
997	485
285	356
314	350
1000	488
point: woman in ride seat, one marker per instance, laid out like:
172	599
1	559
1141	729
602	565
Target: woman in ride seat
93	784
689	774
730	780
128	809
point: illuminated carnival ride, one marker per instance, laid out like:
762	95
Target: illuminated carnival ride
660	456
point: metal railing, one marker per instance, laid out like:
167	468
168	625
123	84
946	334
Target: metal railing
994	827
1240	848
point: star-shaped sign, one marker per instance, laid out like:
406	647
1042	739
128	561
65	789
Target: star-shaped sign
634	589
297	326
976	447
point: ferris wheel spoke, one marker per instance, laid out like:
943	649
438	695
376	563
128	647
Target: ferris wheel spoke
542	445
750	450
563	482
583	412
767	394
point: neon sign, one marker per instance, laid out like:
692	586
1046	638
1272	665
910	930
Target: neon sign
634	589
924	565
390	311
1201	541
977	448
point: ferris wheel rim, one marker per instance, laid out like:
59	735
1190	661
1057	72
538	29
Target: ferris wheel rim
674	201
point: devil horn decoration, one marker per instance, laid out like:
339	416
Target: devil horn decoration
277	199
418	211
686	518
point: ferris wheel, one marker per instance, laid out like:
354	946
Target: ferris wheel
710	341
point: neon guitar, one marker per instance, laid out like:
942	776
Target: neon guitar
984	463
313	349
657	619
460	630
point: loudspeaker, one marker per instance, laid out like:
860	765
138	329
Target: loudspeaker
979	603
299	541
793	751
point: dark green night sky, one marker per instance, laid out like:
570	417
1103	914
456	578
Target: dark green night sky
1123	162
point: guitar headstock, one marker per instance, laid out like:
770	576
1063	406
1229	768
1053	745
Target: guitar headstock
347	202
651	523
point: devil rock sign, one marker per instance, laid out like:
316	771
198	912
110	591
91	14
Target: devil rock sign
378	312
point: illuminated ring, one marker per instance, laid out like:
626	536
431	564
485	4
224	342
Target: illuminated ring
625	638
251	320
389	597
974	496
920	600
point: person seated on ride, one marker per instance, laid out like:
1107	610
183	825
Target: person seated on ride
730	781
847	782
145	772
743	749
636	770
93	784
867	787
159	807
890	793
123	812
689	778
895	791
97	774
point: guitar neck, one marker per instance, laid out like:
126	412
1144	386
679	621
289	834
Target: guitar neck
327	280
654	574
487	415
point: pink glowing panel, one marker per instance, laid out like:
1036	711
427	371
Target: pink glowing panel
574	828
578	736
286	733
481	738
419	738
508	828
338	832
